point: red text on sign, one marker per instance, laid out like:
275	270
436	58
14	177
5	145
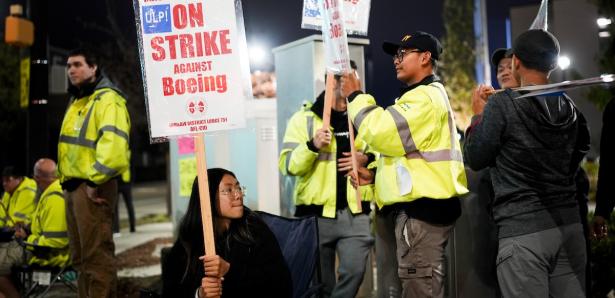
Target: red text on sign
199	44
199	84
182	15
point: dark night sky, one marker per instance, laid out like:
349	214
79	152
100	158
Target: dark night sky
276	22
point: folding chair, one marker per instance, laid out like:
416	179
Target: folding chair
36	280
298	240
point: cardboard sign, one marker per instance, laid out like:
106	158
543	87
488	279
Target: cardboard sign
194	65
337	57
356	14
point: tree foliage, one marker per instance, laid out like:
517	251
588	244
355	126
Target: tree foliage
457	62
11	115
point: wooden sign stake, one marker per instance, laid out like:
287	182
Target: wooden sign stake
204	195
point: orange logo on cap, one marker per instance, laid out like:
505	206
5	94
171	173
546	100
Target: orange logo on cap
406	37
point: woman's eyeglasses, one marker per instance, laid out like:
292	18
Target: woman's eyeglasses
235	191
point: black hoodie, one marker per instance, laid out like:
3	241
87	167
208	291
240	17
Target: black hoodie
533	146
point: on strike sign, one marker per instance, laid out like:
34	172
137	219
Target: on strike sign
193	64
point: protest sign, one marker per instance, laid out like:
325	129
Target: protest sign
337	57
356	14
195	76
192	57
337	61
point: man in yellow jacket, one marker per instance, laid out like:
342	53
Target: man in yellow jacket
319	159
48	227
16	209
18	202
45	239
420	174
92	151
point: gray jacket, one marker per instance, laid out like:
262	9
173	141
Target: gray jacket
533	147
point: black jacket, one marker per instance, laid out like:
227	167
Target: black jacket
257	270
533	146
605	194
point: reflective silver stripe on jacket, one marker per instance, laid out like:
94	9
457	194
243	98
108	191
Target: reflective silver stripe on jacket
105	170
310	126
57	193
20	215
113	129
292	147
55	234
403	129
77	141
410	148
81	140
362	114
325	156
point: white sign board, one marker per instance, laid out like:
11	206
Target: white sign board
356	13
337	57
194	65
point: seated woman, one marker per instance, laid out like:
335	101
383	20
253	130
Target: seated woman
249	262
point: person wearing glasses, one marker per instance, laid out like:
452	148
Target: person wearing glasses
420	174
248	260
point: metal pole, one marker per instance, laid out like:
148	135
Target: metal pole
483	68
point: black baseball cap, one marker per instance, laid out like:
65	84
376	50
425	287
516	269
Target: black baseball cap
500	54
537	49
418	40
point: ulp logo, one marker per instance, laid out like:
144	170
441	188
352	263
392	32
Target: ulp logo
156	18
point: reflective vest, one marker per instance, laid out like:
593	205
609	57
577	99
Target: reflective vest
416	137
49	228
19	206
316	172
93	141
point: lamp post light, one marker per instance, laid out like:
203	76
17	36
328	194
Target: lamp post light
603	22
563	62
258	55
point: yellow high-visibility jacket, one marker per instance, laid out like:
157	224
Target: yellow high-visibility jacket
19	206
316	173
416	137
94	136
49	228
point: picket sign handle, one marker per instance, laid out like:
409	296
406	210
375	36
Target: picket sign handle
326	114
355	163
204	196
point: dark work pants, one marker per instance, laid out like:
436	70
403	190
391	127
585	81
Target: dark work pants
91	240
